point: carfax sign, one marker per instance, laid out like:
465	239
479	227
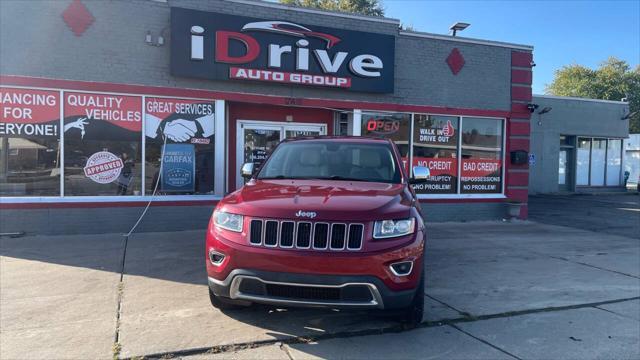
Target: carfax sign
227	47
178	168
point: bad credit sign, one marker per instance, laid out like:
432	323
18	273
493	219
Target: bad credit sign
227	47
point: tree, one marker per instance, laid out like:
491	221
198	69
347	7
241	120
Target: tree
613	80
364	7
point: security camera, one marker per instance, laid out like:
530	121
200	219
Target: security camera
532	63
532	107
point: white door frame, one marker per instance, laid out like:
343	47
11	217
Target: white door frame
266	125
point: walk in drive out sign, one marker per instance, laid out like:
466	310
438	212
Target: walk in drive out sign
178	168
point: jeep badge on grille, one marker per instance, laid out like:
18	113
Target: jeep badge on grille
306	214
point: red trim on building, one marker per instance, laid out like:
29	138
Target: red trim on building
520	128
519	144
521	59
524	212
520	111
519	76
12	80
245	106
518	179
522	93
518	194
244	111
461	200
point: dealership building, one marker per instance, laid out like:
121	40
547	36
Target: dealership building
92	92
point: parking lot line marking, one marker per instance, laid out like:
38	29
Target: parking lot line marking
593	266
485	342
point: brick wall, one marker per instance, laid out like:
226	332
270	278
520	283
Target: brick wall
113	50
519	128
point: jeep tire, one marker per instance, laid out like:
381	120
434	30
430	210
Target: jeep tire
412	314
223	304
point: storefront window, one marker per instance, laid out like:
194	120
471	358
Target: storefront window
390	126
481	156
29	142
189	127
435	145
598	160
583	164
102	144
614	162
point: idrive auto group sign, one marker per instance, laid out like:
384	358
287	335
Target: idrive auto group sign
227	47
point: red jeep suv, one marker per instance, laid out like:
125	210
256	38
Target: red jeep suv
325	221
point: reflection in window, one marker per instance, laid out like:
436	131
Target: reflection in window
614	162
389	126
582	162
29	142
481	156
189	127
598	159
435	145
29	166
102	144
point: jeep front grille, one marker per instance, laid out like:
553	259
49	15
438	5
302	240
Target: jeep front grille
306	234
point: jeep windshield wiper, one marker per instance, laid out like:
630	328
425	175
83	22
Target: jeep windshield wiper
282	177
338	177
277	177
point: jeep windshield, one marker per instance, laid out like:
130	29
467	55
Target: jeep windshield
332	160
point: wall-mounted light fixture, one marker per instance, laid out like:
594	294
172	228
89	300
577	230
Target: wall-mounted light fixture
148	39
459	26
544	110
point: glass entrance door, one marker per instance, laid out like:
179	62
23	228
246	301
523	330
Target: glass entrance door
563	170
566	164
257	138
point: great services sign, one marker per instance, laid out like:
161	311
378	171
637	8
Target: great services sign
227	47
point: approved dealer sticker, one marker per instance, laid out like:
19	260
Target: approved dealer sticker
103	167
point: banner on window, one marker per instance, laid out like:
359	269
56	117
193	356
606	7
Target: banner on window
180	120
29	113
102	117
481	176
178	168
442	179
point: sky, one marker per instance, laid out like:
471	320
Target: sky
562	32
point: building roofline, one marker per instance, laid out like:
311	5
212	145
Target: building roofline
466	40
580	99
272	5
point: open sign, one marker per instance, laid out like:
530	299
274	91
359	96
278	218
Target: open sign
383	126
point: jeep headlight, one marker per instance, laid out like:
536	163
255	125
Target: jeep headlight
393	228
228	221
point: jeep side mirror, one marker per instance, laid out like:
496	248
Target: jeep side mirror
247	170
420	174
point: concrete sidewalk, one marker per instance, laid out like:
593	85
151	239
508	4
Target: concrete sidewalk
494	290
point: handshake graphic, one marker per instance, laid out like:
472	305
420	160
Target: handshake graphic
179	130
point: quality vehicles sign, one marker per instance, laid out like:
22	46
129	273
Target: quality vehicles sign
227	47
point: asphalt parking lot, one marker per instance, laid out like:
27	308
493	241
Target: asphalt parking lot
612	214
524	290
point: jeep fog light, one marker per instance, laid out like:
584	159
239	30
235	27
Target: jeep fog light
216	257
402	268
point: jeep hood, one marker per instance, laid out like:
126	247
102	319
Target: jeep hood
329	200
